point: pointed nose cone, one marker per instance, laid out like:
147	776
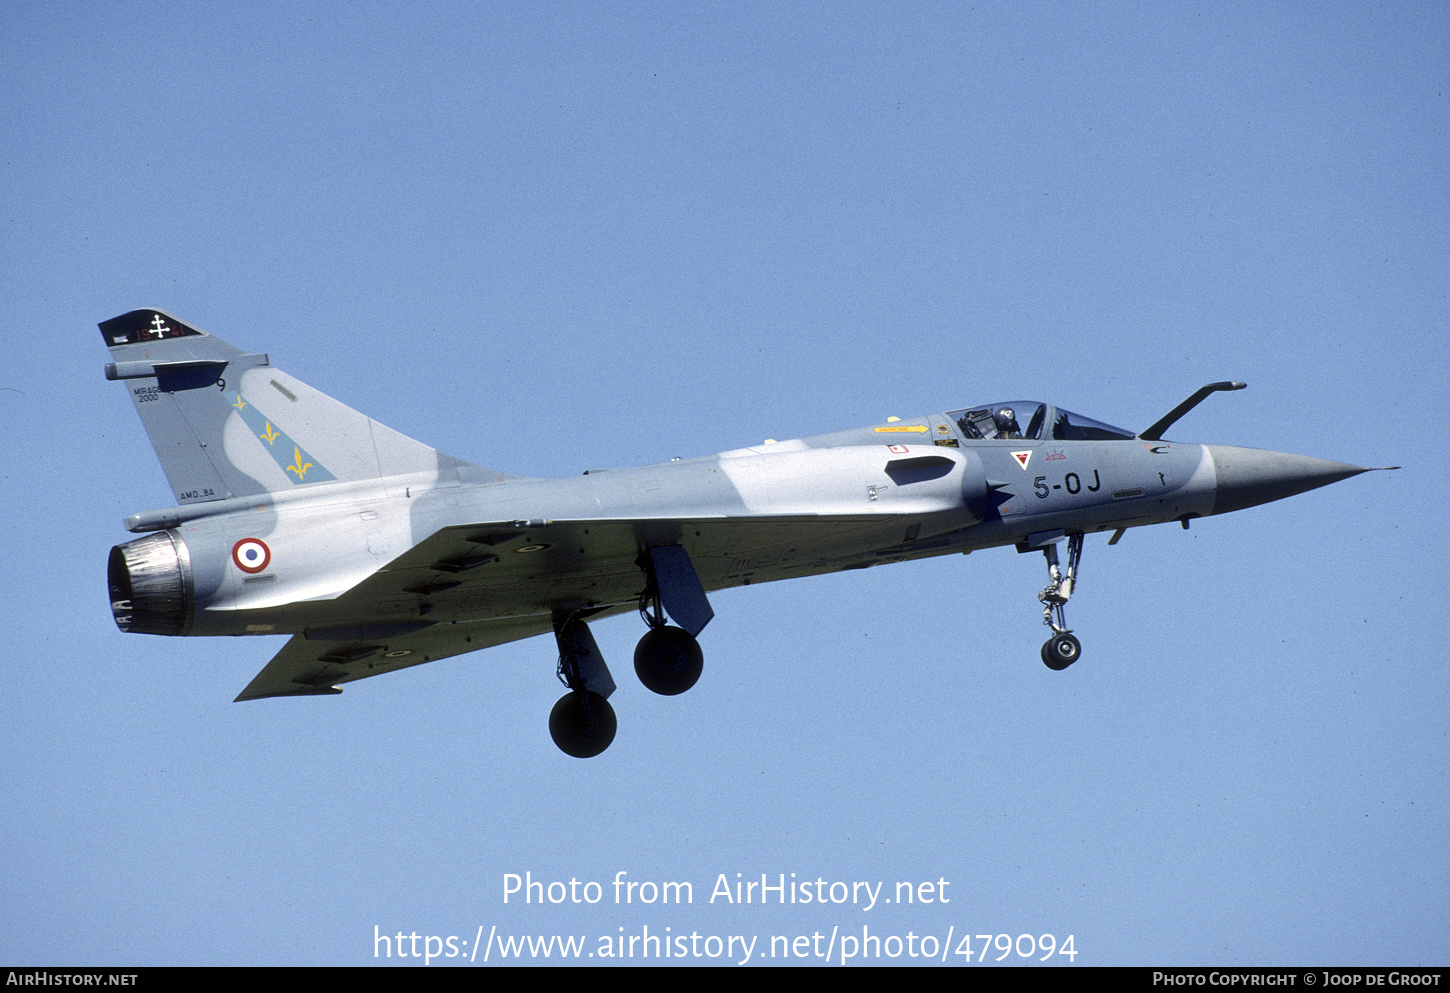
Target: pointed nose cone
1248	477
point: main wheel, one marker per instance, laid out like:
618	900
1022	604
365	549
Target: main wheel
582	724
668	660
1060	651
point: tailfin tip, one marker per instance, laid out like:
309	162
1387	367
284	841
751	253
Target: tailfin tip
145	325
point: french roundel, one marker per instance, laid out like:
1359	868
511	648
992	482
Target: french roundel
251	554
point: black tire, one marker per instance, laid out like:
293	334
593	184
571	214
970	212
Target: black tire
668	660
582	724
1061	651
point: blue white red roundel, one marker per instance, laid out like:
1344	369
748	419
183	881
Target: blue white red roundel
251	554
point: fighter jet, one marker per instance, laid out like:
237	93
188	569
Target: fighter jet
297	515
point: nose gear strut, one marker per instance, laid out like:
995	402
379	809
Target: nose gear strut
1062	649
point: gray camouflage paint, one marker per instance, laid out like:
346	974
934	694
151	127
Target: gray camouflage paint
365	541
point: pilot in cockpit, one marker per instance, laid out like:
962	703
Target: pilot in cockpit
1006	422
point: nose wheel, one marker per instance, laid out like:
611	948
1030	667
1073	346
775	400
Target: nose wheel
1062	649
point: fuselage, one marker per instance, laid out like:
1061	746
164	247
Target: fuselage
886	493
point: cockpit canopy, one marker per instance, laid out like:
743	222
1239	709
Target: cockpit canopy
1004	421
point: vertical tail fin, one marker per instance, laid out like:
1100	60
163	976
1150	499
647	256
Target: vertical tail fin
227	424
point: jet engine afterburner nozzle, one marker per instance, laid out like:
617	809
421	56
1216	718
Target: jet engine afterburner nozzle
151	585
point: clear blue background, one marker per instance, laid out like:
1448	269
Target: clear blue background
550	237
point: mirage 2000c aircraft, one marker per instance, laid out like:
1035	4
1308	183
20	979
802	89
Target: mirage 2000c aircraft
298	515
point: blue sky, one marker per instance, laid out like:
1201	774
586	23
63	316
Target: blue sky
548	238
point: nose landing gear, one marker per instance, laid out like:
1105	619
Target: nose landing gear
1062	649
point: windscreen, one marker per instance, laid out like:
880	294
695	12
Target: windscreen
1067	426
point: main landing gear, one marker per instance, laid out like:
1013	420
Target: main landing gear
1062	649
667	659
582	723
